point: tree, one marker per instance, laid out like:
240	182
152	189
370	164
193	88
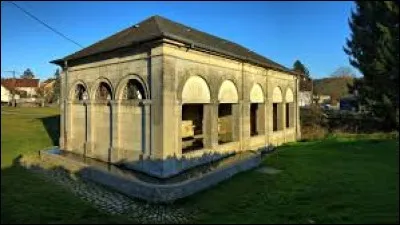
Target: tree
28	74
57	86
373	48
344	71
299	67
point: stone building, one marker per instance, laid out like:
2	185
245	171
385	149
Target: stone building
161	97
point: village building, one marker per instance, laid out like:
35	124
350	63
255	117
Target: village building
305	91
27	88
161	97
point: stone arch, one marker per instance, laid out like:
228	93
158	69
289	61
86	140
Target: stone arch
137	80
277	95
256	94
72	95
98	83
228	92
196	90
289	95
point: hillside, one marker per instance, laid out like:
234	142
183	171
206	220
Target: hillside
333	86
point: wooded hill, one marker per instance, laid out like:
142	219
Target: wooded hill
336	87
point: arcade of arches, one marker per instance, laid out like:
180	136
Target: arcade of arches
205	111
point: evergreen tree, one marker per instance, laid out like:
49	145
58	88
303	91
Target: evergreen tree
28	74
57	86
299	67
373	48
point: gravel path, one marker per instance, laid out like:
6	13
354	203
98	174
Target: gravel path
116	203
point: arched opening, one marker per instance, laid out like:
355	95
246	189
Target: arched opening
257	111
289	108
103	92
227	112
133	90
133	131
277	109
80	93
102	122
195	94
78	113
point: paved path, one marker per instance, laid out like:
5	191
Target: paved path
115	203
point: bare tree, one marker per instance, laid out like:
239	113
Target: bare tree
344	71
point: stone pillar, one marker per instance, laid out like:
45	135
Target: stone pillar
62	125
89	129
283	114
115	147
245	125
68	125
210	125
178	121
146	107
266	121
297	111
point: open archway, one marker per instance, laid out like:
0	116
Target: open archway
227	112
133	131
277	109
195	94
79	116
102	121
257	111
289	108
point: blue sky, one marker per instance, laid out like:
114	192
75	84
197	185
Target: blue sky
314	32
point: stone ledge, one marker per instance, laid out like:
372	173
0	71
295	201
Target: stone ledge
153	192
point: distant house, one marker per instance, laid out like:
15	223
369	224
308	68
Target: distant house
28	86
5	95
322	99
305	91
48	87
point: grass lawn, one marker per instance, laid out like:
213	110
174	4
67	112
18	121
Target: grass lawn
343	179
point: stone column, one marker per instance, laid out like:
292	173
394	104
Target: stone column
297	111
266	121
178	121
115	147
210	125
245	125
283	114
89	129
62	126
68	125
146	107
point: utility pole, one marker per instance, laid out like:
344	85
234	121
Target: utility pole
11	71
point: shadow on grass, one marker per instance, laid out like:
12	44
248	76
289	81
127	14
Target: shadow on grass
52	126
29	199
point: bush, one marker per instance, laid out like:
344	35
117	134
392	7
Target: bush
313	123
313	132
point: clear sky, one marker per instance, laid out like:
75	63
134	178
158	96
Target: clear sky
313	32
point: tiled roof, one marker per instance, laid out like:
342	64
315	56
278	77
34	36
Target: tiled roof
157	27
16	82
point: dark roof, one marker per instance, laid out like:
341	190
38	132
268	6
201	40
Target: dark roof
9	83
157	27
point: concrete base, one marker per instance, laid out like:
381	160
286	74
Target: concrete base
155	192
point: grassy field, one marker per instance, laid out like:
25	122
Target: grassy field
343	179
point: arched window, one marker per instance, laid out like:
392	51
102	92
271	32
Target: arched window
103	91
133	90
80	93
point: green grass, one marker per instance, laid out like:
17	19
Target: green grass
342	179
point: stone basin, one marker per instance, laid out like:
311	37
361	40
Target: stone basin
153	189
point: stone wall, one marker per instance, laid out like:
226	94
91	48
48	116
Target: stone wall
150	129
